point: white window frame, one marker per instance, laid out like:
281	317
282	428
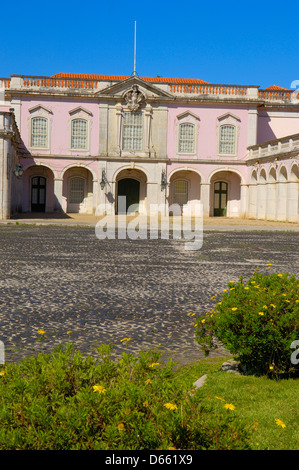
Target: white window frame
183	193
39	135
39	111
222	142
83	114
72	178
73	147
187	118
132	125
228	119
184	139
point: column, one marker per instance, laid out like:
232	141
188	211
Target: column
58	200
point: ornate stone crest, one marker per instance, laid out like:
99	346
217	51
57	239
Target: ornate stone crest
134	97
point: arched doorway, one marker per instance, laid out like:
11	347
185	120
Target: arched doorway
38	194
77	190
38	189
130	189
184	190
225	194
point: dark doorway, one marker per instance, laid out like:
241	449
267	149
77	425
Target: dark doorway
129	188
220	199
38	194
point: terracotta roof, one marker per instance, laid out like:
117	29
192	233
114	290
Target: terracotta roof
120	77
276	88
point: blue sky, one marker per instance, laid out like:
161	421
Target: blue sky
246	43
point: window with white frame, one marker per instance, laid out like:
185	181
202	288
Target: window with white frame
186	138
76	190
39	132
132	137
180	192
227	139
79	134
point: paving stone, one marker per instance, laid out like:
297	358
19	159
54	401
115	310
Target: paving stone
62	278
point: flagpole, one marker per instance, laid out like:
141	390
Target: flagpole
135	51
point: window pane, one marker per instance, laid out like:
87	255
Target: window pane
79	134
76	190
180	192
186	138
132	131
227	139
39	132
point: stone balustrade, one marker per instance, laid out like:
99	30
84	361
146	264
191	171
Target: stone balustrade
274	147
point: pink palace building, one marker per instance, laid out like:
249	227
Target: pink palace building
74	143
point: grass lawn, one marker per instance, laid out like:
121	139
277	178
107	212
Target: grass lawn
258	401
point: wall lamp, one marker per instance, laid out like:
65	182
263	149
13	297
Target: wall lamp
18	171
163	180
104	180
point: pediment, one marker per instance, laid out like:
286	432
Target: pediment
119	90
39	107
187	115
228	116
79	109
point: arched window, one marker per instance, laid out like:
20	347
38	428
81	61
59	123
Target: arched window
76	191
227	139
186	138
39	132
79	135
180	192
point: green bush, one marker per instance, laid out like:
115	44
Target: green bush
256	322
63	401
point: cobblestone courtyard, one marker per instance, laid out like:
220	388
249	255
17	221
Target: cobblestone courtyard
62	278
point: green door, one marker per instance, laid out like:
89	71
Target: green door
129	188
220	198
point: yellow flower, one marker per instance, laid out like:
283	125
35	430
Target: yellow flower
125	339
2	372
146	403
269	264
234	309
219	303
170	406
246	288
41	332
99	389
69	332
272	305
148	381
280	423
121	426
203	320
265	306
271	367
154	364
232	288
261	313
229	406
279	275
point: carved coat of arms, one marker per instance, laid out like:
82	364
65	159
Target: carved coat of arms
134	97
